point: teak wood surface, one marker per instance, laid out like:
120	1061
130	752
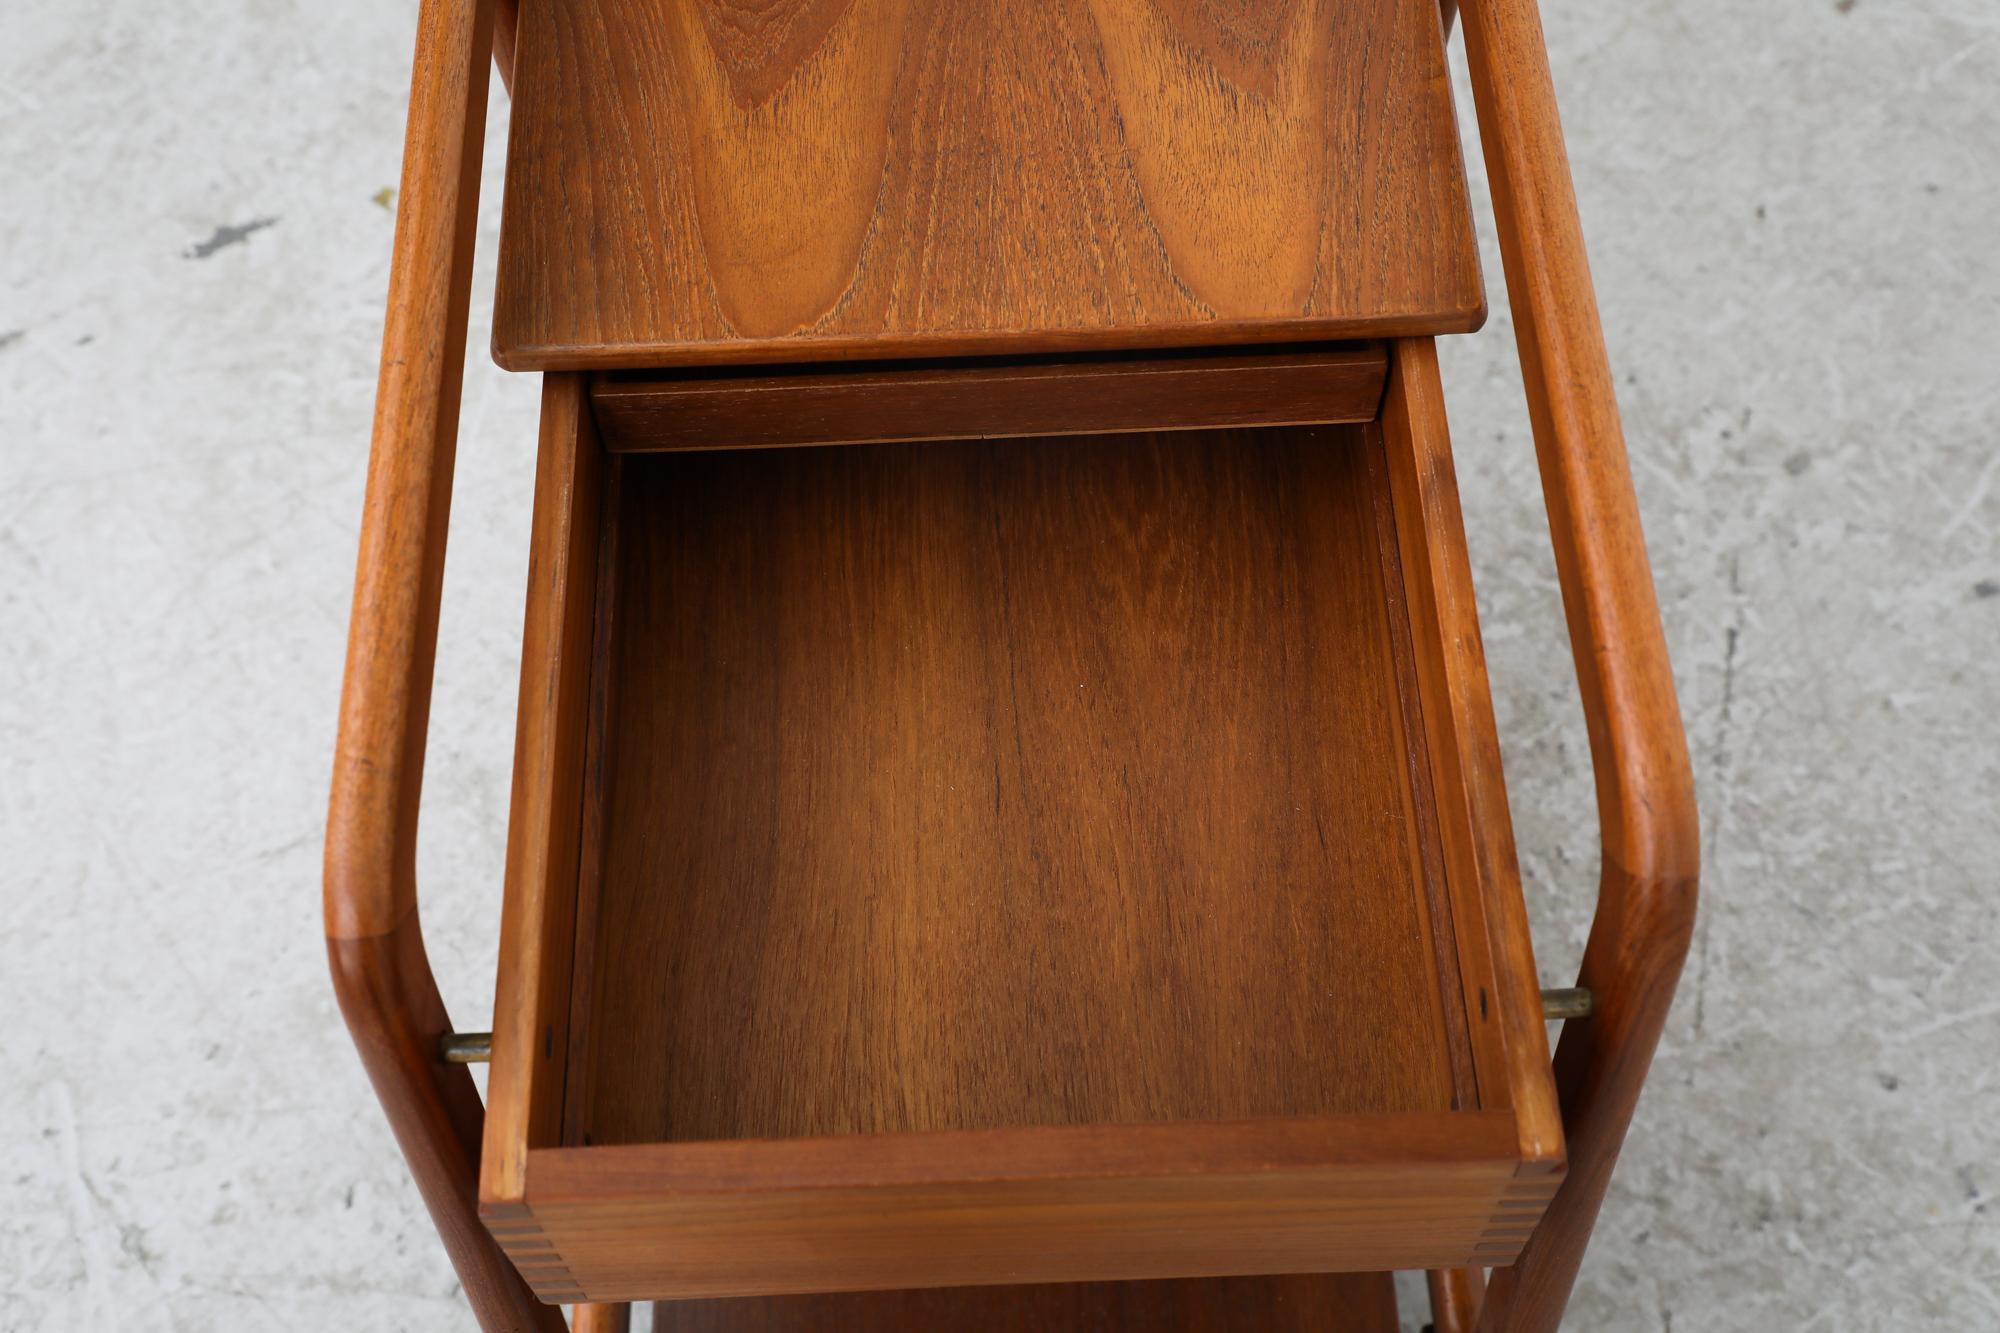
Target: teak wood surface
988	398
1040	782
1330	1303
1061	1204
718	180
375	949
1651	861
1646	812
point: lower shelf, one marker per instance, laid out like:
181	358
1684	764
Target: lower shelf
1026	861
1335	1303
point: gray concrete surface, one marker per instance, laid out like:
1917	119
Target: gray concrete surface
1793	217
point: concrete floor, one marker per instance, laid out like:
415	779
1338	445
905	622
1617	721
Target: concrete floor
1793	212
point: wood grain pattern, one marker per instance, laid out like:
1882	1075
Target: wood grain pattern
381	976
604	1319
1445	897
1463	746
544	826
392	632
969	785
597	774
882	402
1328	1303
721	180
395	1015
1061	1204
1455	1295
1645	787
506	20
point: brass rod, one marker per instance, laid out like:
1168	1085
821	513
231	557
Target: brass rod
1570	1002
466	1048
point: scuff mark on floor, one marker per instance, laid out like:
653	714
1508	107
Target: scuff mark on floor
60	1112
226	235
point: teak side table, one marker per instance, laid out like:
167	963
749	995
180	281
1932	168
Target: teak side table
1008	829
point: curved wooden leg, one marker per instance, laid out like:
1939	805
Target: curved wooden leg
601	1319
374	946
1631	966
1645	786
393	1010
1456	1294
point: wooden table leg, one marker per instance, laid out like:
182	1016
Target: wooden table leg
600	1319
374	944
1638	748
1456	1294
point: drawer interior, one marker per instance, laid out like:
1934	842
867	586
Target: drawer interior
971	784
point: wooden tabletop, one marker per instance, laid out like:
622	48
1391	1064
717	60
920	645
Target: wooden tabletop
703	181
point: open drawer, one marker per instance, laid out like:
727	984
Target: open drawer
1069	858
